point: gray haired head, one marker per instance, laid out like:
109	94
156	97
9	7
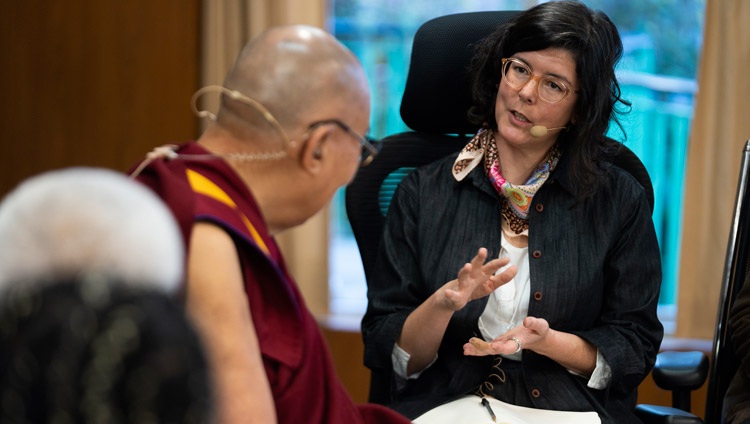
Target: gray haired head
76	222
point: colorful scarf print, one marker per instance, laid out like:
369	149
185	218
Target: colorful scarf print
516	198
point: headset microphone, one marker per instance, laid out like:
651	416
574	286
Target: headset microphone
540	130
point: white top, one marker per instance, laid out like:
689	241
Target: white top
508	305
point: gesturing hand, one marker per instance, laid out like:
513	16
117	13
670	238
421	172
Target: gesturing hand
475	280
529	335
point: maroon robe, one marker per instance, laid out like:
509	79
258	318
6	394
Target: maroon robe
298	364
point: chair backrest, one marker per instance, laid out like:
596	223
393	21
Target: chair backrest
736	270
436	99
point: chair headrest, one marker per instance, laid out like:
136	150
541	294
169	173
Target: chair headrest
437	95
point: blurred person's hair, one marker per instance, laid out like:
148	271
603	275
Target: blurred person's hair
88	221
97	350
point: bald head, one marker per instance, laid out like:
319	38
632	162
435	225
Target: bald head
293	71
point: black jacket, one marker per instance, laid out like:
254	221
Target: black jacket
595	271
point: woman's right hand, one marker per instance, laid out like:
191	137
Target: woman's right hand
475	280
424	328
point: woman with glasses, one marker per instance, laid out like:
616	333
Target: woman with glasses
525	268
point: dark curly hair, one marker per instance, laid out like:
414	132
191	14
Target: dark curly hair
94	350
595	44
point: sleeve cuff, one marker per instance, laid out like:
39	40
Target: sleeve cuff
400	359
602	374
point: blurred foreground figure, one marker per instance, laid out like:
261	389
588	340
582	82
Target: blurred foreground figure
99	351
87	221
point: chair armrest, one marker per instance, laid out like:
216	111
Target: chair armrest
680	370
654	414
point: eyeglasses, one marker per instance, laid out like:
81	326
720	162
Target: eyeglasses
369	149
517	74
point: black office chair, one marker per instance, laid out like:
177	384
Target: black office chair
682	372
434	106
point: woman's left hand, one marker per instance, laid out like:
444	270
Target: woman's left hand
529	335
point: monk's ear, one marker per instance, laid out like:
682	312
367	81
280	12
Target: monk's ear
313	151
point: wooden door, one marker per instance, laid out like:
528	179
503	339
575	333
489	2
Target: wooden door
93	82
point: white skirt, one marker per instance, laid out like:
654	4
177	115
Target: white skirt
469	410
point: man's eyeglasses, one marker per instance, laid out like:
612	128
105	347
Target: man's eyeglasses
369	149
517	74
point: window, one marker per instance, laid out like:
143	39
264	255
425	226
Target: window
657	74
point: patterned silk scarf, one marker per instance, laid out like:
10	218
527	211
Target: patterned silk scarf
516	198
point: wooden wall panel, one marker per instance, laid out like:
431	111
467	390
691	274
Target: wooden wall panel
93	82
348	352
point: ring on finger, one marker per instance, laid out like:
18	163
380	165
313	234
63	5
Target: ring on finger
518	344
